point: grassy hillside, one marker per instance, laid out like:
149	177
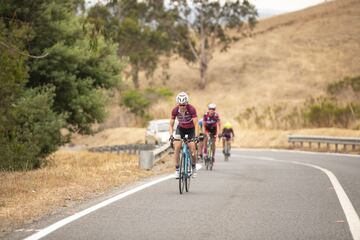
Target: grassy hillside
289	58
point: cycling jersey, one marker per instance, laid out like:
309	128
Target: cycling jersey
211	122
185	119
228	133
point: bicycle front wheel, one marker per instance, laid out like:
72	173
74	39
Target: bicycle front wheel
188	166
182	175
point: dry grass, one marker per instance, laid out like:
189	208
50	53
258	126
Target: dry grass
289	58
246	138
111	136
69	177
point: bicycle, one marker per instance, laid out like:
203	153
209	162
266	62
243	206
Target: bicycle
209	160
227	148
185	166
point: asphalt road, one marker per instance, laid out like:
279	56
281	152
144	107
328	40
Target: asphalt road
258	194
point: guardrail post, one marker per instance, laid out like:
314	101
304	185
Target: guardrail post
328	146
336	147
319	145
310	145
146	160
353	147
344	147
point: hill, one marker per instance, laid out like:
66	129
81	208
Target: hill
288	59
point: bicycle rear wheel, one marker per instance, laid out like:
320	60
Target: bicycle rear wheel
182	174
226	151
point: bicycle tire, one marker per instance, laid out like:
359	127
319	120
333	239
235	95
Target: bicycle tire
210	154
226	151
181	174
187	179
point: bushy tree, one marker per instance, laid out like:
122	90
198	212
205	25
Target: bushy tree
29	128
77	73
139	28
202	26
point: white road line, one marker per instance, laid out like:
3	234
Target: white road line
349	211
295	151
61	223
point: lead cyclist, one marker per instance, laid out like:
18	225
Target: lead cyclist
188	125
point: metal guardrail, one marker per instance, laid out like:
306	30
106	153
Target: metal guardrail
129	148
345	141
148	154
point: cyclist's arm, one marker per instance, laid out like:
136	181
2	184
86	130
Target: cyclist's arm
171	127
218	128
195	120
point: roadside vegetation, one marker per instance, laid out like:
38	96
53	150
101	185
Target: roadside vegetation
62	62
339	108
68	179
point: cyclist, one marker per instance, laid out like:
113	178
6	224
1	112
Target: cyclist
188	125
227	135
211	126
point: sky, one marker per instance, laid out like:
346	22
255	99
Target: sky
267	7
284	5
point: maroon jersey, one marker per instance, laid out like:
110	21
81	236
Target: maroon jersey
228	133
185	119
211	121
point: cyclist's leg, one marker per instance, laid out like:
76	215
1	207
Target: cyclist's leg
177	145
192	152
200	147
205	143
213	148
223	144
192	145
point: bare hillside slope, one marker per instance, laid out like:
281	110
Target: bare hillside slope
289	58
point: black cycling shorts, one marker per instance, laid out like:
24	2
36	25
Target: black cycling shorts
185	131
211	130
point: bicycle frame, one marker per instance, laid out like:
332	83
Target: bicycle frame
209	148
185	167
187	157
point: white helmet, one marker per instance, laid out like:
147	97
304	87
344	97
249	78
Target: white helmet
182	98
212	106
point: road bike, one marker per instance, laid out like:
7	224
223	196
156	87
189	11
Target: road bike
226	150
185	166
209	160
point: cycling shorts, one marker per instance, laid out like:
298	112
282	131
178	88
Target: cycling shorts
185	131
211	131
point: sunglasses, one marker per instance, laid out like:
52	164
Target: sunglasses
212	109
182	105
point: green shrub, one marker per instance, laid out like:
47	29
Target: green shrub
339	86
326	112
31	131
138	102
135	101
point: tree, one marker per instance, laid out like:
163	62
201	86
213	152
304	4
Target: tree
78	74
138	29
203	26
29	128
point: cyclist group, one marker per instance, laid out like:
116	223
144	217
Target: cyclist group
198	130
